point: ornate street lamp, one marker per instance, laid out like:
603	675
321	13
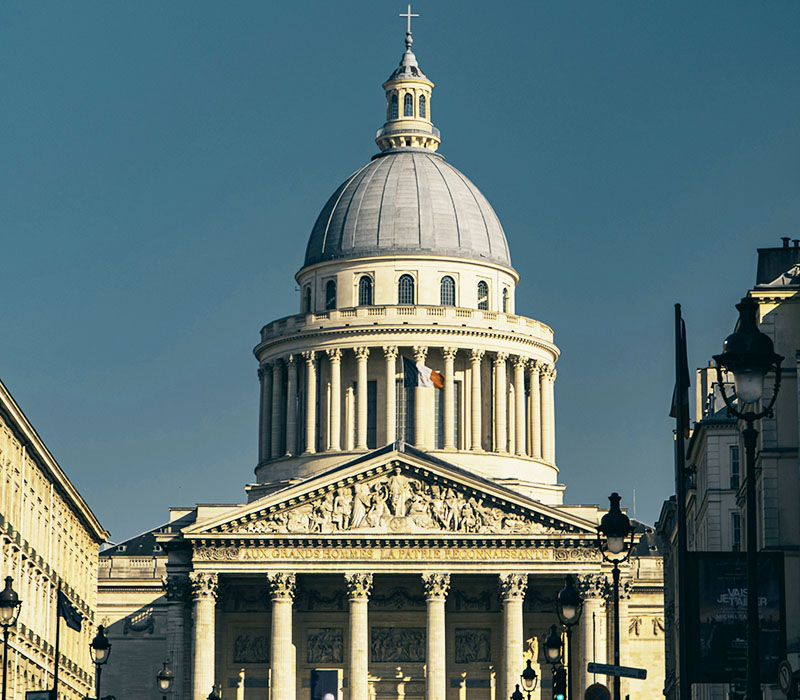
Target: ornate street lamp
749	355
615	542
569	605
100	649
553	646
165	678
9	612
528	679
213	694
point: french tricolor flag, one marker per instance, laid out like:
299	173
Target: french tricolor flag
417	374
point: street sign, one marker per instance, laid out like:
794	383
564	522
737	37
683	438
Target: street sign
597	691
625	671
785	677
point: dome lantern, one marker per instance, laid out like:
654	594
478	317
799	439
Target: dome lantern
408	104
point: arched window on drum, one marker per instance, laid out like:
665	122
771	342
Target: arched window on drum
505	300
365	291
307	300
422	107
408	105
330	295
447	291
393	110
405	290
483	295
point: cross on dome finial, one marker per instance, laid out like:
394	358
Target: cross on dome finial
408	15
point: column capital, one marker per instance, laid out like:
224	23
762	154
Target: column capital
263	369
281	585
177	587
534	366
390	352
362	352
500	358
592	585
334	355
449	353
436	585
513	586
309	356
519	362
359	585
476	355
205	585
420	353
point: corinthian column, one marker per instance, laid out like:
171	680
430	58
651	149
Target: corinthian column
291	405
361	399
264	412
358	589
311	401
335	358
548	422
535	413
512	594
420	353
500	402
449	355
178	589
282	681
390	354
436	587
593	626
475	358
275	441
519	412
204	593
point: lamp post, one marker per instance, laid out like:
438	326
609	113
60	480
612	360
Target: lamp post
100	649
213	694
749	354
165	677
614	529
528	679
553	653
9	612
569	605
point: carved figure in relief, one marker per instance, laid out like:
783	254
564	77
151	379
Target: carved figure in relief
398	493
342	505
362	500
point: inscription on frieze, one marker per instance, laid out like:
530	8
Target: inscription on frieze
473	645
251	649
393	644
325	645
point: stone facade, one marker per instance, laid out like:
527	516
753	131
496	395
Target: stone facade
49	537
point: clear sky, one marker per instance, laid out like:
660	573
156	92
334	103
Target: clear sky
162	164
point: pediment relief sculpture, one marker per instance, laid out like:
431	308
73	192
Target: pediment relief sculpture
394	503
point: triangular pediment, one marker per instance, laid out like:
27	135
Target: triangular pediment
396	493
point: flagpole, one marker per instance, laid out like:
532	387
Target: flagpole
58	639
681	420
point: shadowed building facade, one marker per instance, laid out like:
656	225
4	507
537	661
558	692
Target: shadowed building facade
401	540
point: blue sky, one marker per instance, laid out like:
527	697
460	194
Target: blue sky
163	164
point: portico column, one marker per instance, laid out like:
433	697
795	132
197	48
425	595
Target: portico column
548	442
436	587
282	662
475	358
265	412
519	395
420	354
535	413
359	586
449	355
512	594
275	441
390	354
592	627
178	589
361	398
291	405
311	401
335	359
500	402
204	594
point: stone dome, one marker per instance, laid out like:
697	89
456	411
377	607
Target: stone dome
408	201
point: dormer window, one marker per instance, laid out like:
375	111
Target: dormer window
422	107
408	105
393	114
447	291
483	295
365	291
405	290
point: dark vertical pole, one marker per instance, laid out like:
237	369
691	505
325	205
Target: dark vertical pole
5	659
58	640
569	663
750	435
617	689
97	669
684	686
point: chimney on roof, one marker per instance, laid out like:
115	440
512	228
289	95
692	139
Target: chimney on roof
785	240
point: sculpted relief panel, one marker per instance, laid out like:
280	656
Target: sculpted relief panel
392	644
396	503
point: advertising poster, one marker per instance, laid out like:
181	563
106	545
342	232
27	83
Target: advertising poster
720	615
